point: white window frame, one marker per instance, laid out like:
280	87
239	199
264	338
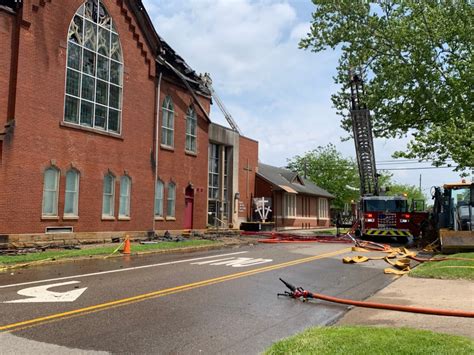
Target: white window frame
74	193
167	125
111	196
55	191
323	208
159	194
289	204
124	202
171	200
191	130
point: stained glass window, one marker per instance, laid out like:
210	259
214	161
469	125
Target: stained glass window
94	74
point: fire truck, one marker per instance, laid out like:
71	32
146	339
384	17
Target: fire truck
377	215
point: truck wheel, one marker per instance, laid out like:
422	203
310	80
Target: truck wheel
402	240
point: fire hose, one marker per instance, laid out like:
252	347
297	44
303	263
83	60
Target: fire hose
300	293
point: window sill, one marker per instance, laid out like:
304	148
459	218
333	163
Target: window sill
108	218
50	218
191	153
70	218
159	218
171	218
167	147
90	129
124	218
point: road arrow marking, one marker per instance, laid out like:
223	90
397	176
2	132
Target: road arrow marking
42	294
235	262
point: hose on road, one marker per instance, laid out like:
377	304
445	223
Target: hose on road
300	293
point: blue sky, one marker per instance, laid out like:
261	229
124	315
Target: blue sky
278	94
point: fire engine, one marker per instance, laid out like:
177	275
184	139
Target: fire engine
377	215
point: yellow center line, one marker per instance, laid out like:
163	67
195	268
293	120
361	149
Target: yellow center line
161	293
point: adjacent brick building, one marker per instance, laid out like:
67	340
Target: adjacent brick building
295	202
104	129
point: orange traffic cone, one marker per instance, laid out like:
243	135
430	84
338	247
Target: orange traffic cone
126	246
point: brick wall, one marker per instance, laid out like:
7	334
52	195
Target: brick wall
307	208
40	139
7	23
248	158
181	167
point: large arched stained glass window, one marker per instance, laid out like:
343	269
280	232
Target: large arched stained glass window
94	74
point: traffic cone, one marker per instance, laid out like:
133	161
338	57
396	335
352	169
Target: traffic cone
126	246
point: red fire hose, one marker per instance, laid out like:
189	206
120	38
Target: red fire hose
299	292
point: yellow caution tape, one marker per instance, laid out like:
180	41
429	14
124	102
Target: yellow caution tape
116	250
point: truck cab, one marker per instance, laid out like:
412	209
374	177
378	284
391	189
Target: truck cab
386	216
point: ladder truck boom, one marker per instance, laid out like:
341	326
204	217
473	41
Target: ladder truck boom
363	140
378	216
207	81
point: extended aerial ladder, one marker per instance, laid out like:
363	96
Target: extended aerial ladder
207	81
364	145
383	216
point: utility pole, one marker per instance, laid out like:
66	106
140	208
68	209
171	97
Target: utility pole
420	182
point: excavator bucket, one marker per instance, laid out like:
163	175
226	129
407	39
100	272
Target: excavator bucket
456	241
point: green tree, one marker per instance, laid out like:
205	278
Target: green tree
416	57
328	169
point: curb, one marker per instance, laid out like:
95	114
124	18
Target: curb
184	250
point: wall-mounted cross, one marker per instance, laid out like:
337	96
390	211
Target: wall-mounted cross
248	169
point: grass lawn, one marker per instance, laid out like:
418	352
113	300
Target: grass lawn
371	340
450	269
106	250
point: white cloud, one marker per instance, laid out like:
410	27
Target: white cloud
277	93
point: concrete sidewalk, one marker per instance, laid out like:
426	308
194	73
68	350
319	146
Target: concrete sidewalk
416	292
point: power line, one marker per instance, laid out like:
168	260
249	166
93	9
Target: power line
423	168
409	160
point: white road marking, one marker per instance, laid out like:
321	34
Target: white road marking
43	294
120	270
235	262
212	261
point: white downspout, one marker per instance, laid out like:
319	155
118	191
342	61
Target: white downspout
157	139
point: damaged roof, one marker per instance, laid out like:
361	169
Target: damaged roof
289	181
162	49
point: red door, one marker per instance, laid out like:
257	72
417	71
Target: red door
188	209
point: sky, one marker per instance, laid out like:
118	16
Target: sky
278	94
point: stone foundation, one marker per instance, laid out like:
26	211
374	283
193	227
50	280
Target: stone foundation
58	240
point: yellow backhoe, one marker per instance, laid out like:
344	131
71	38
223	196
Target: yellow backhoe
453	212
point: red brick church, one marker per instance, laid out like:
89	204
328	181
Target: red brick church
105	130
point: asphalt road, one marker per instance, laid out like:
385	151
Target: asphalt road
206	302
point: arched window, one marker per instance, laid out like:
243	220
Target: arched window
94	73
71	196
50	192
191	132
159	199
171	200
125	183
108	196
167	127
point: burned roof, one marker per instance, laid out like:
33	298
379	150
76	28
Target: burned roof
289	181
162	49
